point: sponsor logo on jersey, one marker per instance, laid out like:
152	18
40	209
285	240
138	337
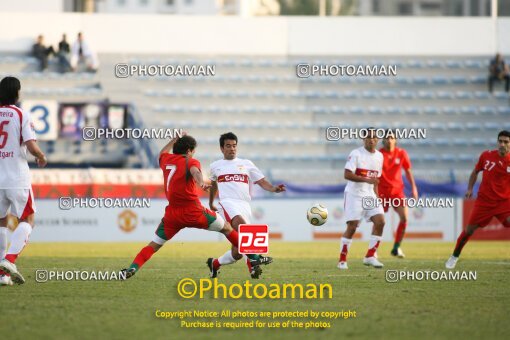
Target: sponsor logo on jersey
397	160
508	169
233	178
367	173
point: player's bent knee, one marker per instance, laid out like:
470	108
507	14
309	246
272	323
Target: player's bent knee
219	224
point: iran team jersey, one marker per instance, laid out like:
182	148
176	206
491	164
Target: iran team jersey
394	162
234	178
15	129
365	164
180	188
495	184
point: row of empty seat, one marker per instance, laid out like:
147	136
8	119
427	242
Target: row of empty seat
267	63
254	79
439	126
317	109
311	94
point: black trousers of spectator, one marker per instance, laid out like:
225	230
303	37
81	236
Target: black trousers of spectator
42	56
506	78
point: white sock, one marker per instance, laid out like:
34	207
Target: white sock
3	242
345	242
19	238
373	244
226	258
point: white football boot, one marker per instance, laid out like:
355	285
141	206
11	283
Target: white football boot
11	269
5	280
342	265
372	261
452	261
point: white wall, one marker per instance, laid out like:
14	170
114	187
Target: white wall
34	5
279	36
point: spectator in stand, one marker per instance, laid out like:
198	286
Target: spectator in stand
498	70
41	52
81	52
64	51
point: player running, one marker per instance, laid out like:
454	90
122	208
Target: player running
181	175
391	185
493	195
16	136
233	178
362	172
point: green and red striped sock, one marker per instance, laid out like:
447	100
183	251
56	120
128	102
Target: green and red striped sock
143	256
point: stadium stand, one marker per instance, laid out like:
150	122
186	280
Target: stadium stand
281	119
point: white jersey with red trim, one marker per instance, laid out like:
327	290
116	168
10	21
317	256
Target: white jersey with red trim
234	178
366	164
15	129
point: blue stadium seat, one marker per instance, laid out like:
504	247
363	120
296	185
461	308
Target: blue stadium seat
420	80
482	95
388	94
444	95
394	110
453	64
463	95
459	80
448	110
431	110
478	80
469	110
425	95
501	95
369	94
474	126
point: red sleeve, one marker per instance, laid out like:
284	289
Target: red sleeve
194	162
479	165
406	162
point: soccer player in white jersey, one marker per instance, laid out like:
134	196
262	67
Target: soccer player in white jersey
362	172
233	178
16	136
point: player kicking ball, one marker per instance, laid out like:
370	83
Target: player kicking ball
493	195
16	136
362	172
233	177
181	175
391	185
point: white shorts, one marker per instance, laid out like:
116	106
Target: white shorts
20	201
354	210
232	208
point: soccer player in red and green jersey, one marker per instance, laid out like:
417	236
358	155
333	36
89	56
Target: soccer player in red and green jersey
181	175
493	195
391	185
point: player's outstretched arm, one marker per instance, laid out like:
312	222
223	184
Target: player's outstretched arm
266	185
35	151
410	178
198	178
472	180
212	195
350	176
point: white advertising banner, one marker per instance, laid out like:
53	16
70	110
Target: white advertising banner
286	219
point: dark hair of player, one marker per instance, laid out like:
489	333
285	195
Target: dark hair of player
504	133
183	144
9	90
227	136
389	133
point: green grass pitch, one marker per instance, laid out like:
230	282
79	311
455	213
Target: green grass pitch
115	310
